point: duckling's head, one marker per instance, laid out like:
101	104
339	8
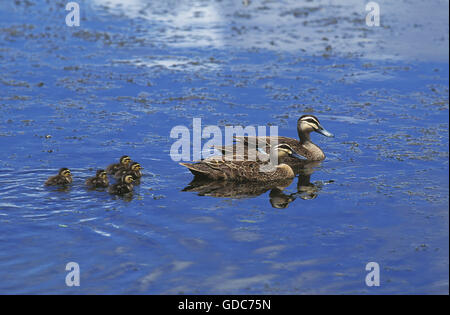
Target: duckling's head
101	174
309	123
135	166
283	150
65	172
125	160
127	179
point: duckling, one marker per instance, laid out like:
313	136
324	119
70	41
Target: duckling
134	170
124	162
99	181
64	177
123	187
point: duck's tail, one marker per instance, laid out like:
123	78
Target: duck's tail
195	169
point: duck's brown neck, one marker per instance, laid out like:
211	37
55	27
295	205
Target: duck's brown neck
304	137
313	151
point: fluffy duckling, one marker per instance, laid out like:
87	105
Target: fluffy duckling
124	162
123	187
64	177
99	181
134	170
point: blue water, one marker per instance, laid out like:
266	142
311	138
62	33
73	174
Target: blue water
81	97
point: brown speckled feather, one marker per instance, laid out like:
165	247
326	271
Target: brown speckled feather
309	150
97	182
58	180
219	169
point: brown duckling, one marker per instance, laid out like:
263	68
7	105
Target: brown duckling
64	177
134	170
123	187
124	162
99	181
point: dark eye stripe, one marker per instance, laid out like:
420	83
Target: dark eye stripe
284	146
312	121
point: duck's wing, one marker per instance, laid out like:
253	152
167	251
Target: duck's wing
235	153
210	168
118	189
264	143
227	170
51	181
56	181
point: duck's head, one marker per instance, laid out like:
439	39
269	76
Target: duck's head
283	150
101	174
125	160
309	123
280	201
65	172
127	179
135	166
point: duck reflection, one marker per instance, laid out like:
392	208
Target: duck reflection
305	189
278	198
231	189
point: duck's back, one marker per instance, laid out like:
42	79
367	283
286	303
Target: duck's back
120	189
308	149
58	180
220	169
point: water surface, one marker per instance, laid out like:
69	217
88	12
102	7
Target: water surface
81	97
